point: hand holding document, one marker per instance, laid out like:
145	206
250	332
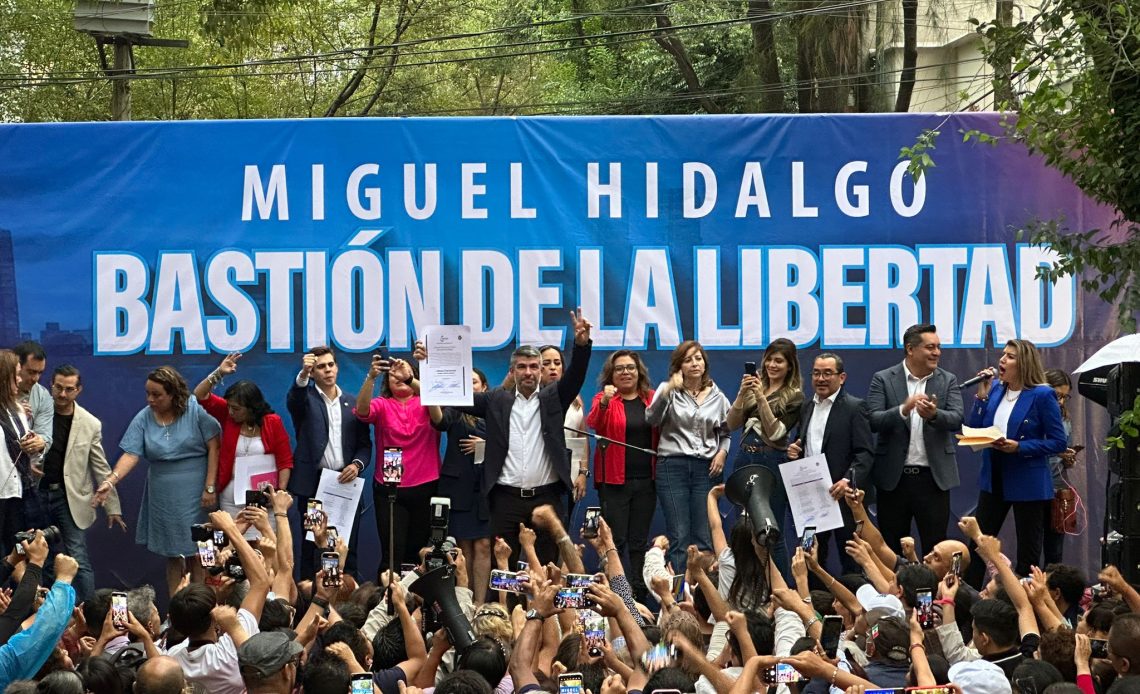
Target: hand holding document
808	484
445	377
977	439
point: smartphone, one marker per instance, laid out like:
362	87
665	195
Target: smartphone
119	610
407	568
207	555
256	497
1099	648
508	581
593	628
382	352
829	637
522	566
333	536
782	673
571	598
851	480
677	587
1098	591
578	580
570	683
926	690
393	470
750	368
859	528
313	513
956	565
361	683
925	609
330	564
932	690
1078	448
590	524
201	532
809	539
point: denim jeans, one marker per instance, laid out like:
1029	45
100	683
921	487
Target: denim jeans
753	451
74	542
683	485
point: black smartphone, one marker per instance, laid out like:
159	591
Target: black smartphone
1099	648
851	480
1078	448
333	535
590	524
809	538
330	564
829	637
382	352
119	617
313	513
859	528
956	565
207	554
578	580
750	368
925	609
361	683
393	470
256	497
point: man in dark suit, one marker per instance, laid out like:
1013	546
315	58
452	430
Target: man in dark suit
328	436
834	423
526	463
916	408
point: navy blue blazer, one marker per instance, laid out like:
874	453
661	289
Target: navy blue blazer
1036	425
311	428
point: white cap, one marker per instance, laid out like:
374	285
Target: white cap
877	604
980	677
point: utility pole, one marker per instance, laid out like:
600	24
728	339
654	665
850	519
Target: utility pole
120	84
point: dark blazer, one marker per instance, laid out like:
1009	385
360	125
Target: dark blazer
847	439
554	400
887	392
1036	425
311	428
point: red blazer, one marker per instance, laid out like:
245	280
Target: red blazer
273	437
610	422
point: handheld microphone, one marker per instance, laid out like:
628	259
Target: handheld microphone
989	373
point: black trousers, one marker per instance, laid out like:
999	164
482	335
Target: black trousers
628	509
413	521
841	536
916	498
509	508
1029	518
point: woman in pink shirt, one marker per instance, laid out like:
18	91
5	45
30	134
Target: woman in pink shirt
400	421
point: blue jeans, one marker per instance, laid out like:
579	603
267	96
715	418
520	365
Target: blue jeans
74	540
753	451
683	485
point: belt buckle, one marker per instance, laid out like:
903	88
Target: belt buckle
526	493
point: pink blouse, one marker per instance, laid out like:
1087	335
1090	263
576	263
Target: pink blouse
405	425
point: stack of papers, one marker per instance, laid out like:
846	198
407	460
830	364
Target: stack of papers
977	439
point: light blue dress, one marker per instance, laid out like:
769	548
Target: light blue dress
175	478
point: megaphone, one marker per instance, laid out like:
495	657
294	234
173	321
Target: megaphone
750	487
437	588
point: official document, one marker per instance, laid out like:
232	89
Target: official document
250	472
445	377
977	439
339	502
808	482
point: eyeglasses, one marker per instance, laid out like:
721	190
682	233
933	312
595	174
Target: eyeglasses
66	390
625	367
825	374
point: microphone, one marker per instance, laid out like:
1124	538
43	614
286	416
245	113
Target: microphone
989	373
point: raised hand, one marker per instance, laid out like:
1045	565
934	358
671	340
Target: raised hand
581	327
307	363
229	364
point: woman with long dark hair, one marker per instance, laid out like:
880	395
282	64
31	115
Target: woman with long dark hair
249	428
624	476
1015	469
767	406
15	426
1062	387
690	413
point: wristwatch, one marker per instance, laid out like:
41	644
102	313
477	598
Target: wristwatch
533	614
209	489
585	471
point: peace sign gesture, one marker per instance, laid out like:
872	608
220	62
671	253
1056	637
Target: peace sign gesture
229	364
581	327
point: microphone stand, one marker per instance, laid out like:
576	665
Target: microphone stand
603	443
391	486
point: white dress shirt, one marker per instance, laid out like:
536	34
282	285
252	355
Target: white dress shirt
528	463
916	450
818	424
333	458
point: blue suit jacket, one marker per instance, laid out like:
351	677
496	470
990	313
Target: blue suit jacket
1035	424
311	429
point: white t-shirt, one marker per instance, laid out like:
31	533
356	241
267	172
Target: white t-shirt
215	667
1005	409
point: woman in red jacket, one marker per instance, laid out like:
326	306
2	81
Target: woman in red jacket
624	476
249	428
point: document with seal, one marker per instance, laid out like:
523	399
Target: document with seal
445	376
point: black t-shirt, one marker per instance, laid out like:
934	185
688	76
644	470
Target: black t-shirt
53	459
638	465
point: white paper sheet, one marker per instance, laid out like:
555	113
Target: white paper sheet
977	439
250	471
807	482
340	502
445	377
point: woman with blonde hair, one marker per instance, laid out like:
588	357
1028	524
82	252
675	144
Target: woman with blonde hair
1015	469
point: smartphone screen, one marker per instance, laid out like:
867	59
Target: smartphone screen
809	538
925	609
578	580
508	581
207	555
119	610
956	565
362	683
859	528
257	498
330	564
593	628
677	587
200	532
313	513
393	465
590	524
1099	648
333	535
570	598
570	683
522	566
782	673
750	368
829	637
851	479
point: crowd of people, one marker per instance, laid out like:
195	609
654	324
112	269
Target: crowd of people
713	604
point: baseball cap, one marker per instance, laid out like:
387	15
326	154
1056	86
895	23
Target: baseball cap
877	604
891	636
267	652
980	677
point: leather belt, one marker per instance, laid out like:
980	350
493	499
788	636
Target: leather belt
55	486
528	492
914	469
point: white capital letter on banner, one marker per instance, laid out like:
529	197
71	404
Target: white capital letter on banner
706	267
752	297
518	211
415	211
690	171
352	193
595	190
862	206
177	305
236	331
534	295
652	301
793	274
943	262
838	294
122	317
752	192
470	189
989	298
799	207
277	192
897	177
279	267
357	299
1036	297
488	298
408	294
892	282
591	291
